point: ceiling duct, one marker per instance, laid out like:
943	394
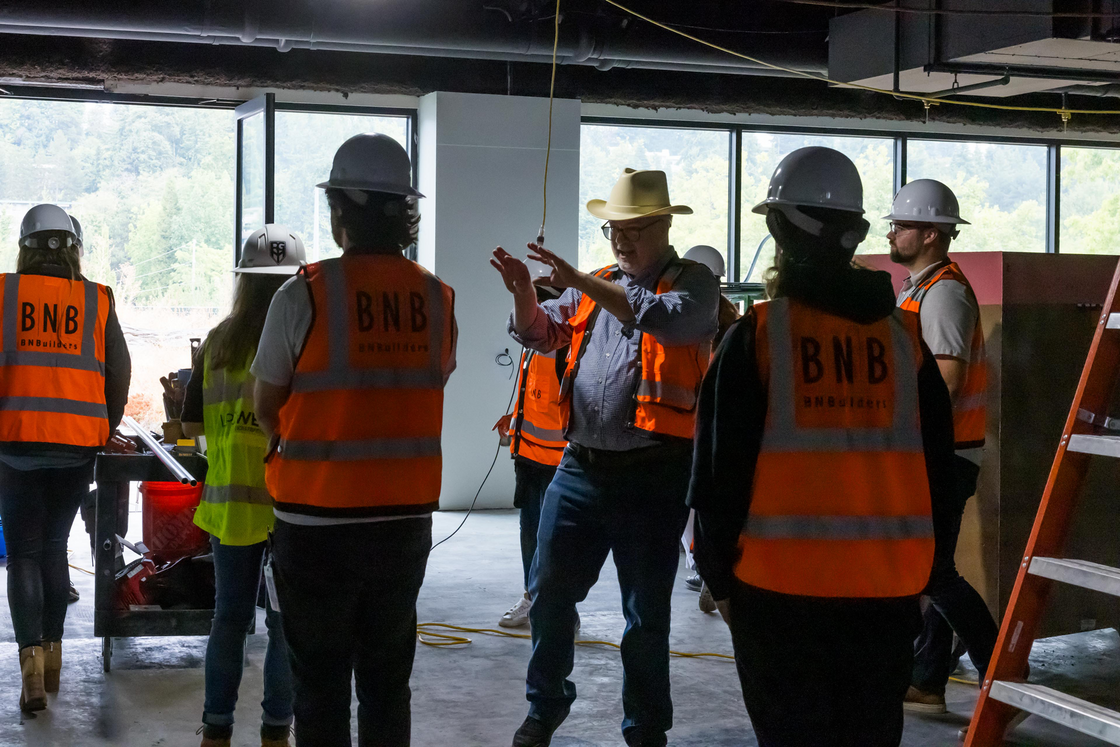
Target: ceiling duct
992	55
439	28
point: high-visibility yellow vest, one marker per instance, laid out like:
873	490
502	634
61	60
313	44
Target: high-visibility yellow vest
236	506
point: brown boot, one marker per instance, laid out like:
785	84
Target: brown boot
275	736
31	665
52	671
215	736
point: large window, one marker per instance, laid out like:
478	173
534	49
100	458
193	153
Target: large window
305	146
1090	205
761	154
695	163
1001	189
154	190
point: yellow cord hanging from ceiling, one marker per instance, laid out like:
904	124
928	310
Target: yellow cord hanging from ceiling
548	147
928	100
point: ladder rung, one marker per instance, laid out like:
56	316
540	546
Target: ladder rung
1099	445
1060	708
1078	573
1113	321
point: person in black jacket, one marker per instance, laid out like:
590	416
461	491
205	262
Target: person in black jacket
64	377
831	667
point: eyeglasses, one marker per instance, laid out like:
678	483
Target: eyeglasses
897	227
630	234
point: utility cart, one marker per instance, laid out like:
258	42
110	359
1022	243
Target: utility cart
114	473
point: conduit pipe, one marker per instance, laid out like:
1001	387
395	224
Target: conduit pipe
403	27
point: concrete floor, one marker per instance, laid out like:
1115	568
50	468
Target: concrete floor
474	695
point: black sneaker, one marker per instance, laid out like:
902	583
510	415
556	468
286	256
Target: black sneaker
533	733
694	582
73	595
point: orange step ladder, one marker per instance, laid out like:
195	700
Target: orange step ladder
1003	693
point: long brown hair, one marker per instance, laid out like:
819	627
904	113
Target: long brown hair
236	337
29	260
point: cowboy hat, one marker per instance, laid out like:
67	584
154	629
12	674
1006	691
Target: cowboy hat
637	194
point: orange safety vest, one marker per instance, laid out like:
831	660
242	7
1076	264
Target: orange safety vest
360	432
969	411
665	400
840	504
538	434
52	368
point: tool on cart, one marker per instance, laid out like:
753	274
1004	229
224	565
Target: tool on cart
174	467
1088	431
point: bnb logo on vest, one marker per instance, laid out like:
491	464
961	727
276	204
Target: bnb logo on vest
843	375
43	326
391	321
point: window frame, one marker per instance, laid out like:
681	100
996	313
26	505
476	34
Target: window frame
901	141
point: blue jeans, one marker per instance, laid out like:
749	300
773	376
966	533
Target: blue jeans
532	480
637	512
38	508
237	575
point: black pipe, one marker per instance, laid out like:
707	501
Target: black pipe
401	27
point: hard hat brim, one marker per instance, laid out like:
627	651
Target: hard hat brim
763	207
606	211
273	270
386	187
920	219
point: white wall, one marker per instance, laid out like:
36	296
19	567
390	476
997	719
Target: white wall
481	166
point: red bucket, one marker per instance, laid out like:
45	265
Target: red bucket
169	528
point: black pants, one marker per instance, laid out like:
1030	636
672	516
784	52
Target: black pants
347	598
532	480
954	606
38	508
823	672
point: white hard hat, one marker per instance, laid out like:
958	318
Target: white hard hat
927	201
708	255
78	240
814	177
372	163
272	250
46	217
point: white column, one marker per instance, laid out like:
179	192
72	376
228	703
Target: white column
481	166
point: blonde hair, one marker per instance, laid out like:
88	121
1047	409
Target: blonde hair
30	259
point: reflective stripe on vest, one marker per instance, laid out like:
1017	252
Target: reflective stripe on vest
840	502
52	361
360	432
236	506
666	394
536	427
970	406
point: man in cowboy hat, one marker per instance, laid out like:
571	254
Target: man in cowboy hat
640	333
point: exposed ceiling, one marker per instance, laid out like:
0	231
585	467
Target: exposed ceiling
605	54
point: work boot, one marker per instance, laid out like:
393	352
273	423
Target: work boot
918	701
215	736
52	669
533	733
275	736
707	604
694	582
31	665
518	614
